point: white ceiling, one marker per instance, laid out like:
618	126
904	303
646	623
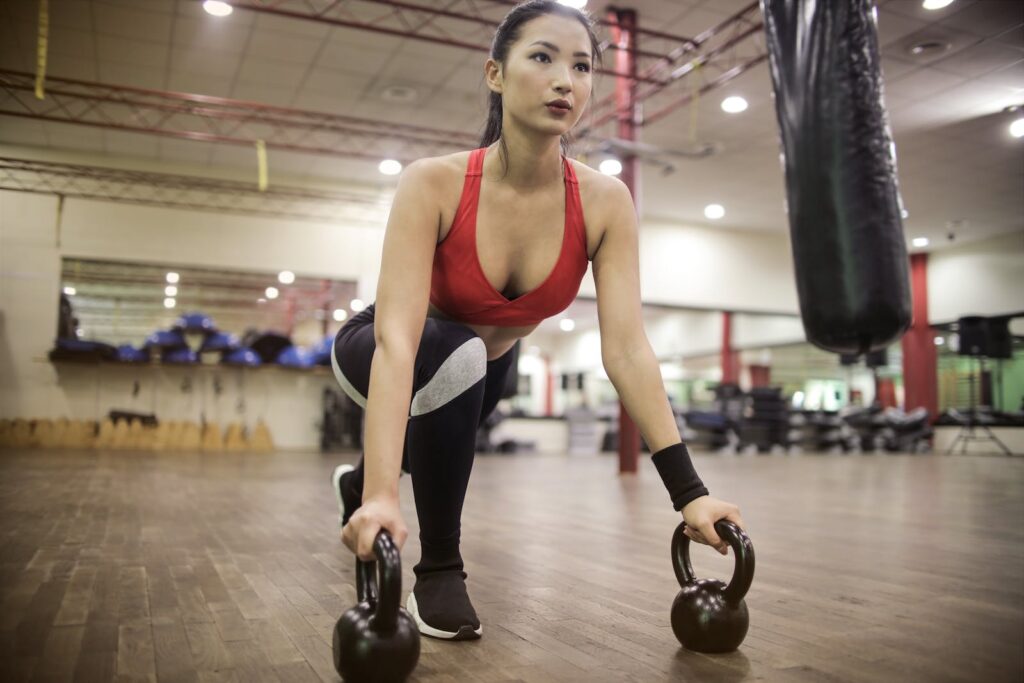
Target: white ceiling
956	159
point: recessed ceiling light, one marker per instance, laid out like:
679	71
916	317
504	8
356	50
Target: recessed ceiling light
399	94
217	8
567	324
734	104
169	302
170	290
286	277
356	305
714	211
928	48
390	167
70	291
920	242
610	167
172	278
575	4
272	292
340	314
936	4
1017	128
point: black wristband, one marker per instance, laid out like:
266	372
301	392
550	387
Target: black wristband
677	472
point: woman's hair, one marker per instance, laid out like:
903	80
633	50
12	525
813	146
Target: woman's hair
508	32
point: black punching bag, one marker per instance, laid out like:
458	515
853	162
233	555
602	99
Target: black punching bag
844	208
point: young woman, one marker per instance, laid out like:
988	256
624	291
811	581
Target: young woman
480	247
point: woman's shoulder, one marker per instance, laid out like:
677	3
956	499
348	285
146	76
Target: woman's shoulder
599	192
441	170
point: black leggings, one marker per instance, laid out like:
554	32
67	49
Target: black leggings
454	389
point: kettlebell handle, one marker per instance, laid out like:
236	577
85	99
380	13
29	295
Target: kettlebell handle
743	572
385	616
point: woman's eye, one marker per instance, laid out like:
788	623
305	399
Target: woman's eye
586	67
541	54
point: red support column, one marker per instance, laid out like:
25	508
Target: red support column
624	36
920	359
730	358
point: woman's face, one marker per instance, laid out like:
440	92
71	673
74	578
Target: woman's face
546	79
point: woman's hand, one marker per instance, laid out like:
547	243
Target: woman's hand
700	515
373	515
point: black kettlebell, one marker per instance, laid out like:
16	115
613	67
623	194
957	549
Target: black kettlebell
377	640
707	615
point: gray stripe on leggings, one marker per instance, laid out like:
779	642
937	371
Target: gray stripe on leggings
466	366
346	386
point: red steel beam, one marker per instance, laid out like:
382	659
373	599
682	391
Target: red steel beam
217	119
410	20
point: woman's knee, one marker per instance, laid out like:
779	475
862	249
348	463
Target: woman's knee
452	359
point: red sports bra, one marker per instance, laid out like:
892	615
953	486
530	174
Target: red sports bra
458	286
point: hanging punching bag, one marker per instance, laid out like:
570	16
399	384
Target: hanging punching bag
844	208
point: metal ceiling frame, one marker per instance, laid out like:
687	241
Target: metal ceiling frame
718	50
186	192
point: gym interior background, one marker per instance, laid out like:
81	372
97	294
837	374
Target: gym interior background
191	204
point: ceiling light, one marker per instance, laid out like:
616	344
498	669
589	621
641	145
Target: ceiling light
575	4
567	324
610	167
1017	128
904	213
170	290
286	277
734	104
390	167
272	292
714	211
169	302
70	291
936	4
356	305
172	278
939	341
920	242
217	8
261	300
340	314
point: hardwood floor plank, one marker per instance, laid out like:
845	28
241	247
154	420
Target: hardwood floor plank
187	567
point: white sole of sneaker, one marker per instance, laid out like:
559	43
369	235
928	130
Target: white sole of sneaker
335	478
464	633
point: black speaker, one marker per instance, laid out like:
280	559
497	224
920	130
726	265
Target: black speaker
1000	341
989	337
846	359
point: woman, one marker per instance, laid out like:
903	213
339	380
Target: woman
480	247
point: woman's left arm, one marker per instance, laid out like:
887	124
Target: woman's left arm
628	357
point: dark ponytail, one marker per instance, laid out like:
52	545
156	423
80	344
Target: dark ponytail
507	33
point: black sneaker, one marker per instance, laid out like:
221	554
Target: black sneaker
349	499
440	605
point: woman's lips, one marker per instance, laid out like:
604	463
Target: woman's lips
558	111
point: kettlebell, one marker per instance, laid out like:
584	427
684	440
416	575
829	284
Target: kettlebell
707	615
377	640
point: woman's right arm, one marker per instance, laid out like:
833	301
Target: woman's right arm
401	311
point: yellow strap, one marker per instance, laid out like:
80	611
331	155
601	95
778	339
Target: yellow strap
261	160
41	43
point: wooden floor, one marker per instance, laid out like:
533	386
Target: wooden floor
226	567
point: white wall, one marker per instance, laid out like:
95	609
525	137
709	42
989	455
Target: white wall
980	278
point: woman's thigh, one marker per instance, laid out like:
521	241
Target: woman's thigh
451	358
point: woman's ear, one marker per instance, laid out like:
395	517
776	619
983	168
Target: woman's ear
492	76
